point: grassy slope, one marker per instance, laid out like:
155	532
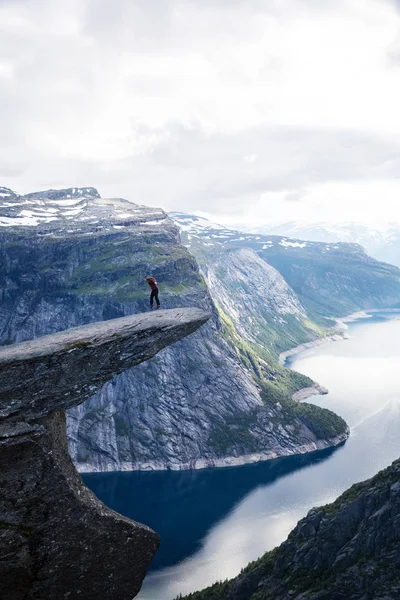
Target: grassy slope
277	383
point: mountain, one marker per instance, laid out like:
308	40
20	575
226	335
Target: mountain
382	243
69	257
348	550
330	279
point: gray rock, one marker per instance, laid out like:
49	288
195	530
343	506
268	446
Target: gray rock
57	540
66	193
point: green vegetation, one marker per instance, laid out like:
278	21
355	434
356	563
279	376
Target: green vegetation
218	591
251	574
382	480
323	422
265	367
277	385
335	283
233	431
81	344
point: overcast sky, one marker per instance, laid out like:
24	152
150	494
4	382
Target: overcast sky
244	110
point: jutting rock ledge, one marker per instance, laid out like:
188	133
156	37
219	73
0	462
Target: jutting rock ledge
57	540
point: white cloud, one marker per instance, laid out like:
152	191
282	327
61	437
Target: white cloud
374	203
214	106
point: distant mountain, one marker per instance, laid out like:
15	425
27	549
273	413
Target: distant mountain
43	207
383	244
329	279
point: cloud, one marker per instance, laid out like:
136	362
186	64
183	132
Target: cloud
295	196
201	105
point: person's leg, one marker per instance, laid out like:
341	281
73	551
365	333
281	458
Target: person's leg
156	297
152	298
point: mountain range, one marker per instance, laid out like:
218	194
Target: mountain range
381	242
70	257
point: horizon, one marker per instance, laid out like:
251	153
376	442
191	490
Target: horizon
382	225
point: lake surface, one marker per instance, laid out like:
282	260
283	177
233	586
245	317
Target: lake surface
214	521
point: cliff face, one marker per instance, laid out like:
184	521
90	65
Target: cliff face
69	257
348	550
57	540
257	299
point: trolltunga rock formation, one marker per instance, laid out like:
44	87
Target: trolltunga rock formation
57	540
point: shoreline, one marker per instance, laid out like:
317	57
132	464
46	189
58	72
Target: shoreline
227	461
341	323
313	390
317	389
340	334
335	337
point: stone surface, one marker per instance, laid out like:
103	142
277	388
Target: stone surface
56	372
57	540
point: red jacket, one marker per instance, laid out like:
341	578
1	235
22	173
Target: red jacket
152	283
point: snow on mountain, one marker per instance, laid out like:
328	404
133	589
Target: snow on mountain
194	226
329	278
382	241
58	209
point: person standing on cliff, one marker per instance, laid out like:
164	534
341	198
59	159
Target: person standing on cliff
154	291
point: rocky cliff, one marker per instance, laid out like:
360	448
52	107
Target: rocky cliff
69	257
348	550
57	540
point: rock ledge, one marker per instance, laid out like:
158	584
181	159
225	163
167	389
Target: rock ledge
57	540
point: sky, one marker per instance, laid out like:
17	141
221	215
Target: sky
245	111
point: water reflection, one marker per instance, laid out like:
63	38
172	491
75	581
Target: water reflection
183	506
265	516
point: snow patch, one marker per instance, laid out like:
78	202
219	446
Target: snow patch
124	215
71	202
73	212
30	221
288	244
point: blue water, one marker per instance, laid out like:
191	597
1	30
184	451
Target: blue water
213	522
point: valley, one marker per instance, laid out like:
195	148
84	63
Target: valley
224	397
